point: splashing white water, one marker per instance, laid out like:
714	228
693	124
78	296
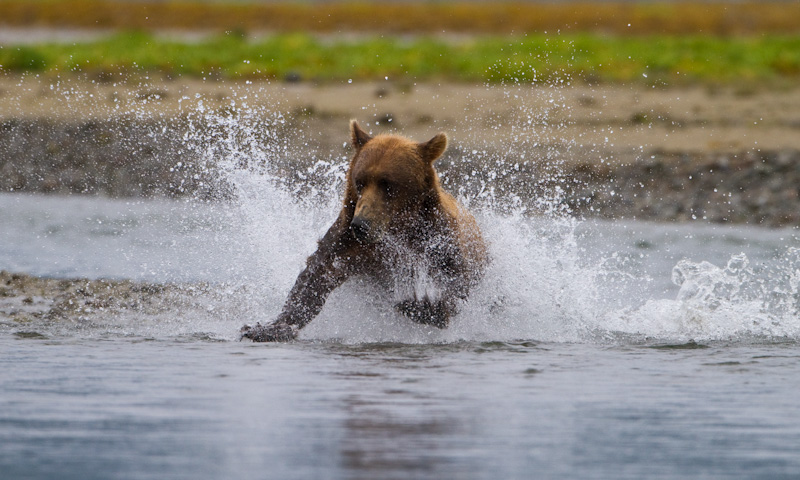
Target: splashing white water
540	285
543	283
727	302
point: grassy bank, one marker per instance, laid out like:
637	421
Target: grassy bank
453	16
590	57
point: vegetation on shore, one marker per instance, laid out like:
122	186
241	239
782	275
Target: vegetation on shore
651	43
589	57
454	16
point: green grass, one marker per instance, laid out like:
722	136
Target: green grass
541	58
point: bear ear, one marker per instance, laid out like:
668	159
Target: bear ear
433	148
358	136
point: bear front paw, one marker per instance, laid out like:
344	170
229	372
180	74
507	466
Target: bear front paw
425	312
274	332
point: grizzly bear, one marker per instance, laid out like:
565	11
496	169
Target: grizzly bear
397	225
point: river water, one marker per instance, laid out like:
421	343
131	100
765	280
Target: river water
593	350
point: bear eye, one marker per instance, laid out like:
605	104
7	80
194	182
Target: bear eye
386	186
359	187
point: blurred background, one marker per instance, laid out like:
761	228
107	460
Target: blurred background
625	96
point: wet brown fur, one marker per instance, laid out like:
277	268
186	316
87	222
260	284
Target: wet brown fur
395	213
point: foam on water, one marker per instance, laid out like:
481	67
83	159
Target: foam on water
730	302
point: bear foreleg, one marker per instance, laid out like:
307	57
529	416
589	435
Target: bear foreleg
325	270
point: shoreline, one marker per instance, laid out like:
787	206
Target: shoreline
723	155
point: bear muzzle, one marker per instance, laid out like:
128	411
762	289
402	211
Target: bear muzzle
363	230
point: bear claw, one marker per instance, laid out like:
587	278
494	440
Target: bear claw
274	332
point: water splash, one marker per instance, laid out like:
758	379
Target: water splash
542	283
736	301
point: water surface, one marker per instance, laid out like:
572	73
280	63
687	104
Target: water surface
594	350
600	350
165	409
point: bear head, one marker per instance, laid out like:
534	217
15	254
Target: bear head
392	184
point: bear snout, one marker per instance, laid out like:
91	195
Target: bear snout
361	229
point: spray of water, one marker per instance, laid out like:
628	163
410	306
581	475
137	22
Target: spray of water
540	284
281	195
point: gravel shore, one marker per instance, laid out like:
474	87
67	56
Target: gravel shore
618	152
